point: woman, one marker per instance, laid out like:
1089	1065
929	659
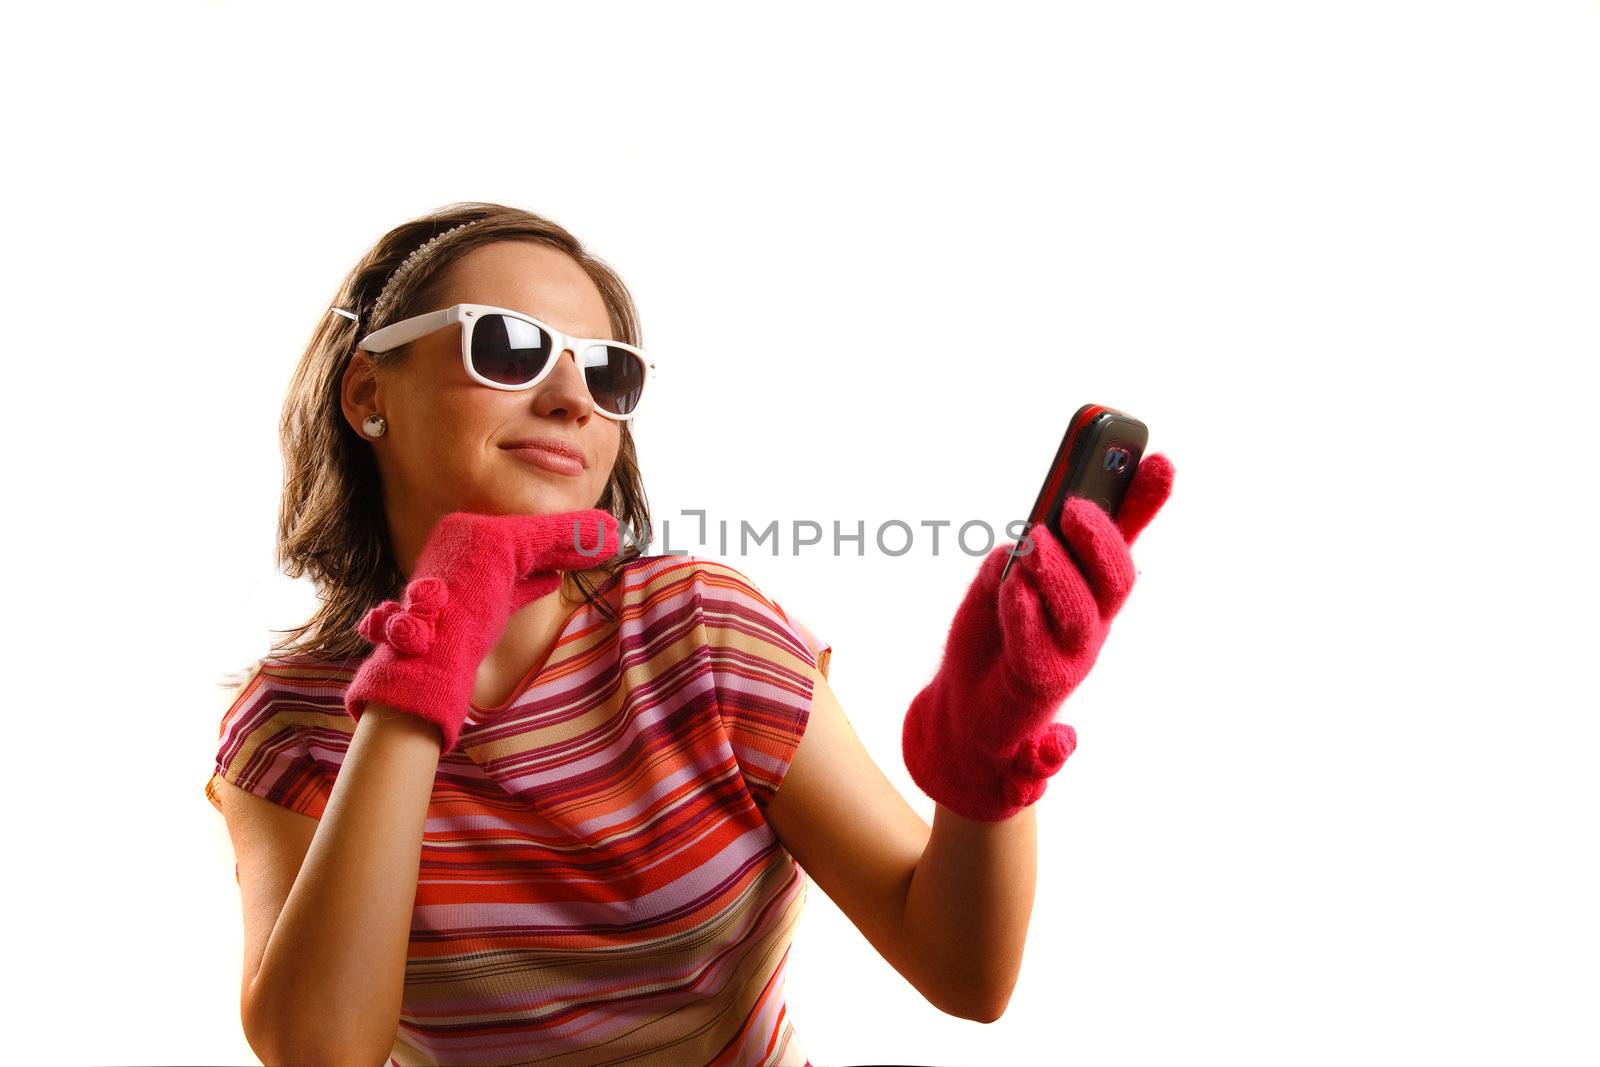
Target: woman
478	824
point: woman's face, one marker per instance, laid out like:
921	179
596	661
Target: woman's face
447	443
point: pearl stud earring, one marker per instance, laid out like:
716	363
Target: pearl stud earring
374	425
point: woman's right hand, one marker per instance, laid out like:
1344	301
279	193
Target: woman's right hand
472	574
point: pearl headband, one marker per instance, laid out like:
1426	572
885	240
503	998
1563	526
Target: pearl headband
407	265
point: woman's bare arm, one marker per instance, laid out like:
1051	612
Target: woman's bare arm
947	906
328	985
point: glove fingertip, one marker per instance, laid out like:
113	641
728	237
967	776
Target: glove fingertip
535	586
1081	513
1151	486
1059	743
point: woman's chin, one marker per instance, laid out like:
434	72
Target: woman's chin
523	500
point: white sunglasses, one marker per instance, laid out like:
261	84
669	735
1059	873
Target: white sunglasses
506	349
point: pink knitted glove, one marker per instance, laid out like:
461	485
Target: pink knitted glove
979	738
473	573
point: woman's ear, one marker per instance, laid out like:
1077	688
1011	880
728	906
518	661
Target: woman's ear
358	390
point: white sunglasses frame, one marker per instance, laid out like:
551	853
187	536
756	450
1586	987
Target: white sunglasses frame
468	315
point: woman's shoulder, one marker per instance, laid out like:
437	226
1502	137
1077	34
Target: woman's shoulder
275	682
730	605
687	577
277	690
303	671
282	734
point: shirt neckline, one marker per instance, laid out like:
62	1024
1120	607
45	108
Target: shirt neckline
528	679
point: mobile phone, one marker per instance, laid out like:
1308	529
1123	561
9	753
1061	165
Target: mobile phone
1096	460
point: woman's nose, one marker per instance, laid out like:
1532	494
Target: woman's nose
566	385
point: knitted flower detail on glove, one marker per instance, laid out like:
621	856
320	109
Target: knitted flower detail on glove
407	628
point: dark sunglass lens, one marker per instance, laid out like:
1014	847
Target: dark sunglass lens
509	351
615	377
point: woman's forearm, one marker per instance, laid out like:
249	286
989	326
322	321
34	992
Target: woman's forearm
332	974
968	907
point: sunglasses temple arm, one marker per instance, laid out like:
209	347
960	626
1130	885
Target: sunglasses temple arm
399	333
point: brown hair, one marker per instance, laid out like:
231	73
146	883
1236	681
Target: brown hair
331	522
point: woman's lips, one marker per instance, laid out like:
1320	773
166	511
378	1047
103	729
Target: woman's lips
549	459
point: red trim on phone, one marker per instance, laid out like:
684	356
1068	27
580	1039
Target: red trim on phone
1058	472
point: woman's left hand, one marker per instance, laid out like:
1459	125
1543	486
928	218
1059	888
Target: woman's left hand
979	738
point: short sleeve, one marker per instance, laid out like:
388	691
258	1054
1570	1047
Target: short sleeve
762	662
269	740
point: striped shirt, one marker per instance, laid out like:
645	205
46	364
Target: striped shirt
598	882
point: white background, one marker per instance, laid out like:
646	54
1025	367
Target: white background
1335	794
